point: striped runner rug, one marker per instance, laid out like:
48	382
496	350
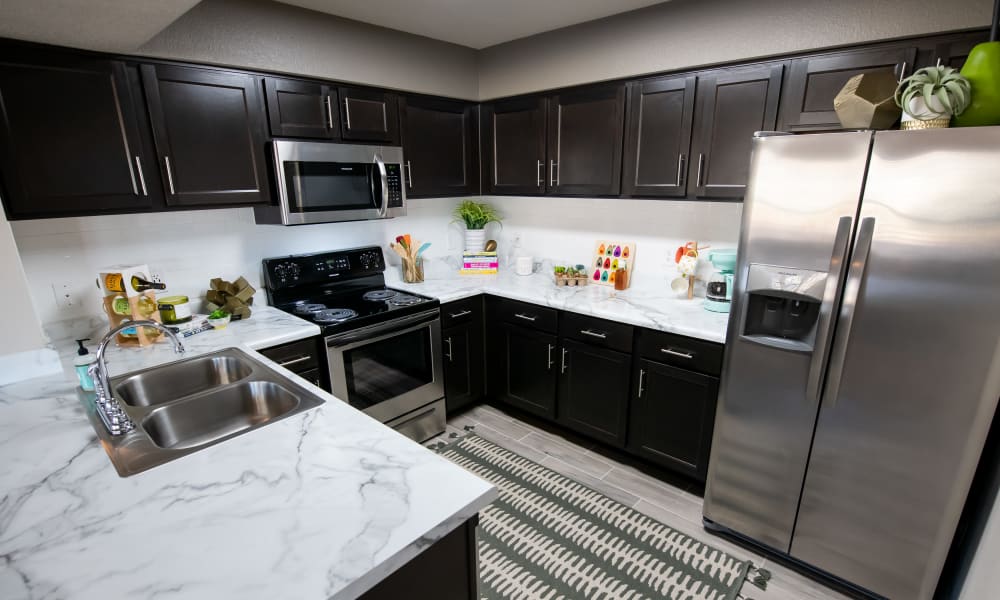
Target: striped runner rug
549	537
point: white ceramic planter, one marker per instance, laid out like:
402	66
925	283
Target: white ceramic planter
475	239
924	111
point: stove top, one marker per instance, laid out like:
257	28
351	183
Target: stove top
350	309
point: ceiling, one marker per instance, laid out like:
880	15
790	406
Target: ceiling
473	23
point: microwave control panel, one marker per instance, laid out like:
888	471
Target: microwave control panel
394	175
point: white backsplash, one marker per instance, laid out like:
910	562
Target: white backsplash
188	248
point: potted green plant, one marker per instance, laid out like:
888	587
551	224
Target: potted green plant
931	97
475	215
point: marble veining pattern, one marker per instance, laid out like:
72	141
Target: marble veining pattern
323	504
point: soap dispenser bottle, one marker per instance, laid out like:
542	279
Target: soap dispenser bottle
81	363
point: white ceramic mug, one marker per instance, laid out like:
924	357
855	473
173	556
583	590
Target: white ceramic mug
524	265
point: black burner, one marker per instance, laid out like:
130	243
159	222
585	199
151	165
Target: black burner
378	295
404	300
308	308
334	315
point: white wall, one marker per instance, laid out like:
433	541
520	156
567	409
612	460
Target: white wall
688	33
270	36
18	320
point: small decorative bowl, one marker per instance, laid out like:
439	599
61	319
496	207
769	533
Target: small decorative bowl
221	322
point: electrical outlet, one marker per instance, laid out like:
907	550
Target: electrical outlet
64	296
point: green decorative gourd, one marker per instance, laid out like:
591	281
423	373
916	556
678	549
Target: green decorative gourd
982	69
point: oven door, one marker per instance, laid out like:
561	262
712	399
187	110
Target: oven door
323	182
390	369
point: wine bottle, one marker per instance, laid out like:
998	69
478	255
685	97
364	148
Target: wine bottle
114	282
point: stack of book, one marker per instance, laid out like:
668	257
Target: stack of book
479	263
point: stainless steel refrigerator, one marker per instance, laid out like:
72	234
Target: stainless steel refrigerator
862	366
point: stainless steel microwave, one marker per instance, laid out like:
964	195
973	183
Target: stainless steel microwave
325	182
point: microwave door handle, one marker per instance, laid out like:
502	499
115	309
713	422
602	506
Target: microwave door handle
385	186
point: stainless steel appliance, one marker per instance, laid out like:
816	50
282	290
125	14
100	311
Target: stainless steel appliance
862	367
325	182
383	345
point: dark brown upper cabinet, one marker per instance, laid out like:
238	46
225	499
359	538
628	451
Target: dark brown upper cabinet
732	105
585	129
814	81
208	127
305	109
368	115
953	51
658	139
70	142
440	146
514	146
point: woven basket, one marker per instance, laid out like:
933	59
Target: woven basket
932	124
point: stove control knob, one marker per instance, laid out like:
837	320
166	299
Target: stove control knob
293	270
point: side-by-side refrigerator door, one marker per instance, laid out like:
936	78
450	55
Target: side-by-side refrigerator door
798	220
914	371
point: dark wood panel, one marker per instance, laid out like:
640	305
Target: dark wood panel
733	104
368	115
463	365
208	130
585	141
297	108
70	143
462	311
514	146
814	81
595	331
594	391
528	373
952	52
673	417
529	315
440	146
681	351
660	113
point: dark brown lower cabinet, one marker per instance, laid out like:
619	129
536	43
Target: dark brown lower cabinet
448	570
673	417
526	373
594	391
463	365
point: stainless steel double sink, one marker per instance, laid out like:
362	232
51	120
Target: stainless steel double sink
188	405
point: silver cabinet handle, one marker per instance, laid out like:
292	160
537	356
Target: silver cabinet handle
131	175
530	318
701	169
681	159
852	291
447	340
295	361
551	348
142	178
562	367
677	353
409	175
642	376
553	178
170	174
538	172
834	284
596	334
347	113
902	72
460	314
329	112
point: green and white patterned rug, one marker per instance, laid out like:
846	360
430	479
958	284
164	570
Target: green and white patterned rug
549	537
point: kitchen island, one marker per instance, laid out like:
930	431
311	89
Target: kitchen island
324	504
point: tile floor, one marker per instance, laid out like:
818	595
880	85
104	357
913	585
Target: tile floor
678	506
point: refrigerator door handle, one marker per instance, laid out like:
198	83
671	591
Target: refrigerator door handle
834	286
852	291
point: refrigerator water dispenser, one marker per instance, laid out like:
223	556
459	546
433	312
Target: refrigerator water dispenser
782	306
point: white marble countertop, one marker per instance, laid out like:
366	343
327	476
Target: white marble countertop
656	308
324	504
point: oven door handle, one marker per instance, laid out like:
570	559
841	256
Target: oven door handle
385	186
374	333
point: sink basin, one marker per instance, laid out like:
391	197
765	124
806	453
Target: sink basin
186	406
181	379
204	419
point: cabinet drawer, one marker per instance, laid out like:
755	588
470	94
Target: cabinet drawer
680	351
528	315
298	357
461	311
599	332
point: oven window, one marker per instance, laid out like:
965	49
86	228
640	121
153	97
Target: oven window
322	186
388	368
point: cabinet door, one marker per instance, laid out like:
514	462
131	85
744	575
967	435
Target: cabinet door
814	81
528	376
440	146
660	112
733	104
69	139
208	130
463	365
594	391
673	417
585	141
368	115
298	108
514	146
953	51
